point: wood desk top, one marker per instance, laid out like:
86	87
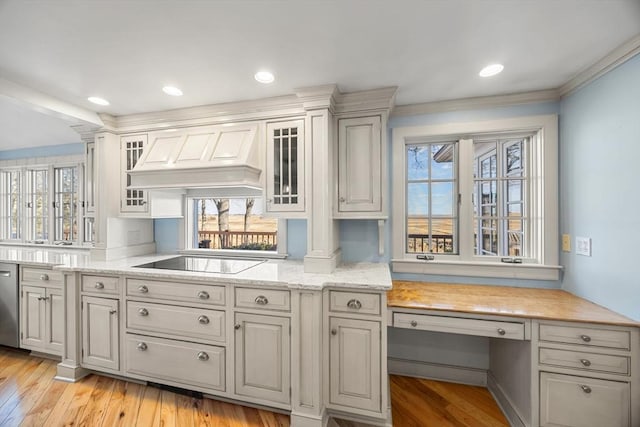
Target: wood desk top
532	303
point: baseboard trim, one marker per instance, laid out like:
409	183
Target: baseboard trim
503	401
437	371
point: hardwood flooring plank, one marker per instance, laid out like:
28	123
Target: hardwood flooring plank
130	405
30	393
16	376
13	400
215	413
184	411
168	409
94	410
149	410
81	393
40	412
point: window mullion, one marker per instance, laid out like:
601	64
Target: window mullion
465	189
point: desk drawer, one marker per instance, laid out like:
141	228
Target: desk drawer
39	276
459	325
100	284
354	302
175	291
586	361
586	336
264	299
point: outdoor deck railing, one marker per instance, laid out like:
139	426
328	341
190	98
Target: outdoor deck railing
441	243
265	240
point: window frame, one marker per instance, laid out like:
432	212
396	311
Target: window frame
543	188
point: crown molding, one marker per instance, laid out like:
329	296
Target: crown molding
477	103
366	100
617	57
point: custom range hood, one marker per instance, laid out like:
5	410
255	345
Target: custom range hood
207	159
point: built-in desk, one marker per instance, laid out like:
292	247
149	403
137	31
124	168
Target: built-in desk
556	359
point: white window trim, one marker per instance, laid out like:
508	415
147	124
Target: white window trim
546	175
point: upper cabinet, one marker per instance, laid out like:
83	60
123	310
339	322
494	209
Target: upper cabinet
361	159
285	192
132	200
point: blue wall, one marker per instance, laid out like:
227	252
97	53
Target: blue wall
600	188
49	150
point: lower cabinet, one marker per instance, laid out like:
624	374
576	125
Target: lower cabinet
100	333
354	363
42	319
262	346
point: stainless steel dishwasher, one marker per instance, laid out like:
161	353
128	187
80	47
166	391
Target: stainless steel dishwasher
9	305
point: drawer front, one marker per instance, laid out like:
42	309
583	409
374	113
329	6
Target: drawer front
354	302
458	325
183	322
180	362
174	291
586	361
101	284
586	336
41	276
570	401
265	299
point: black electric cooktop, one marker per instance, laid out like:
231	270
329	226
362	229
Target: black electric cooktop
204	264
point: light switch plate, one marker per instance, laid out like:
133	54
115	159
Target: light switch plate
566	243
583	246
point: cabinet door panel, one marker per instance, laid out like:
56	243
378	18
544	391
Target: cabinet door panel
100	336
285	166
354	349
132	200
32	317
262	357
54	314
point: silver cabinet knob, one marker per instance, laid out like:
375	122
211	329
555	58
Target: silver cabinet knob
99	285
585	338
203	356
354	304
142	346
203	295
261	300
113	311
237	326
143	312
203	320
334	331
414	323
342	200
585	362
143	289
44	277
501	331
586	388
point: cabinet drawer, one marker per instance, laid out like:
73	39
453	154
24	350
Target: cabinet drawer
570	401
586	361
175	291
586	336
265	299
183	322
176	361
100	284
354	302
459	325
41	276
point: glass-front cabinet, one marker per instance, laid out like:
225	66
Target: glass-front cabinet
132	200
285	166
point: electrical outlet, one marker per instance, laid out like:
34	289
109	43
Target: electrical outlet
566	243
583	246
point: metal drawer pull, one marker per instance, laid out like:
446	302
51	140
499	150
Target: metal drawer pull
585	338
143	312
501	331
354	304
237	326
43	298
342	200
203	295
585	362
44	277
204	320
203	356
414	323
586	388
143	289
334	331
142	346
113	311
262	300
99	285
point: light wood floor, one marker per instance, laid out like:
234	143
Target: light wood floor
30	397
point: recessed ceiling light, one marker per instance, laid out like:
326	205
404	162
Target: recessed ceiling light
97	100
264	77
491	70
171	90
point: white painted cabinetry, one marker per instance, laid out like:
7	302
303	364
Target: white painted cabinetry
41	310
131	200
100	333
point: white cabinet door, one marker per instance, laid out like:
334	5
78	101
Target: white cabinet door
285	166
263	357
100	333
54	321
32	318
359	165
354	363
570	401
132	201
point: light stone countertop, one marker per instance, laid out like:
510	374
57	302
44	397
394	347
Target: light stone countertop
276	273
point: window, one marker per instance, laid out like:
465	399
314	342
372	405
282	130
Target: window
230	224
477	199
10	182
65	205
37	205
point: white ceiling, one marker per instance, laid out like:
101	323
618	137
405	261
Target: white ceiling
125	51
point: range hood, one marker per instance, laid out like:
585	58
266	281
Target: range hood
205	159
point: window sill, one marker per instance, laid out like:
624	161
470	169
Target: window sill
478	269
44	245
230	253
